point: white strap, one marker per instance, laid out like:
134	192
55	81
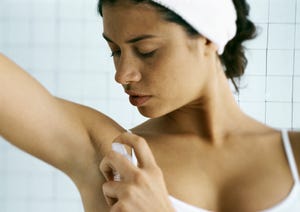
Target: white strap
290	155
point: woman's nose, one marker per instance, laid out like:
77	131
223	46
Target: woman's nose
127	71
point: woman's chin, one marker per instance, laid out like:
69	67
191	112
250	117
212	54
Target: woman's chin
150	112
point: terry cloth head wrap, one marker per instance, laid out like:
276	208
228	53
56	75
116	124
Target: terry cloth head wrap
214	19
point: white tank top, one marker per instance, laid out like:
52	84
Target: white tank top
290	204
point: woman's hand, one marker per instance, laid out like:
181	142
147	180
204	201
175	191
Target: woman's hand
141	188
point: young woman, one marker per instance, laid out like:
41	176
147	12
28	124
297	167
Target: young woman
197	152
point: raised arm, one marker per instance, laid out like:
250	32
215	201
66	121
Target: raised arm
69	136
56	131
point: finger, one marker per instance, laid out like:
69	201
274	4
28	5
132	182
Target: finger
110	201
110	190
115	190
141	149
106	169
114	161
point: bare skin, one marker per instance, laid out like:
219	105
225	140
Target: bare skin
198	145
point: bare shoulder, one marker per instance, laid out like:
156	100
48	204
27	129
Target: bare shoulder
295	142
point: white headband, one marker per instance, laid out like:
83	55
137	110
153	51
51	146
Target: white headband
214	19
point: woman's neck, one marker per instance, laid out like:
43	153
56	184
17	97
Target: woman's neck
213	117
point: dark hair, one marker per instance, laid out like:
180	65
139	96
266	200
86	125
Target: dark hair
233	58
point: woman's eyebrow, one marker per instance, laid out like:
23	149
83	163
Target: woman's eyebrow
132	40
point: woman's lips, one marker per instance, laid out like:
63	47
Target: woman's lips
138	100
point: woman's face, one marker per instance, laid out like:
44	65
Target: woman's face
164	68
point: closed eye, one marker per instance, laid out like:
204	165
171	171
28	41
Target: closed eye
143	55
147	54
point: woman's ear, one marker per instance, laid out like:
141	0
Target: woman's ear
204	45
196	44
210	47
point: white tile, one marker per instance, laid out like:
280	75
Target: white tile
64	188
44	10
296	93
279	88
3	161
18	32
5	27
296	90
91	12
280	62
93	33
121	111
70	85
281	36
297	63
296	115
2	32
298	13
115	90
256	62
95	85
18	10
41	186
3	185
44	32
282	11
260	42
275	116
259	10
13	206
297	39
96	59
70	10
253	88
17	186
3	10
70	59
70	33
38	205
44	59
256	110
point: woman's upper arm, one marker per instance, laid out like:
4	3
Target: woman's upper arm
51	129
101	129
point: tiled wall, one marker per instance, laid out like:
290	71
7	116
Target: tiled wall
59	42
273	75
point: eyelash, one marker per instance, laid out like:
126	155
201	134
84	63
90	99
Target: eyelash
148	54
144	55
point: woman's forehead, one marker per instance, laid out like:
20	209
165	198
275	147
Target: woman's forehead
131	18
128	7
